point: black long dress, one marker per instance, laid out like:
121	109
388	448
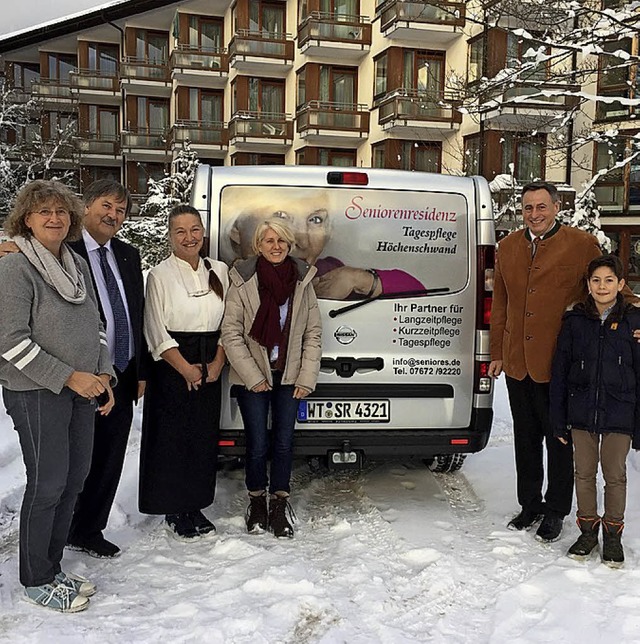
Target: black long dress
178	453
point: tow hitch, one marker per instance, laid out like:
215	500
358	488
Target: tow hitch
346	458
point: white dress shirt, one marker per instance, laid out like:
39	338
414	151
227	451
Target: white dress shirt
179	299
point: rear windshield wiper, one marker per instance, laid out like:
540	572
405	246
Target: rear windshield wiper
387	296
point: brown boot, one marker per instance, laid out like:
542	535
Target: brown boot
588	540
612	552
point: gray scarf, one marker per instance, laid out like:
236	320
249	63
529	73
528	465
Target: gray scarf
64	276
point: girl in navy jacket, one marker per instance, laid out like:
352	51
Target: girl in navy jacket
595	402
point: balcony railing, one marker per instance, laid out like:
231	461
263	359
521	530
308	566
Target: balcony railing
51	88
94	79
334	27
437	12
532	94
19	95
95	143
265	125
151	138
262	44
144	69
200	133
188	57
414	105
324	115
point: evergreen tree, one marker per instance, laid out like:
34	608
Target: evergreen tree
149	231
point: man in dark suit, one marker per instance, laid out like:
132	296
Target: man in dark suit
107	203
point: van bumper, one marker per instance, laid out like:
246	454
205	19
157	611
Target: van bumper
382	443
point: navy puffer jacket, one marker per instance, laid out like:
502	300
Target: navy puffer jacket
595	380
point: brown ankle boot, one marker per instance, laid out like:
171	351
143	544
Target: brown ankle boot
612	551
588	540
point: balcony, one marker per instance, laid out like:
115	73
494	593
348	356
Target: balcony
51	92
338	36
433	21
531	104
320	122
144	144
142	77
259	52
95	87
209	139
195	67
62	153
18	95
261	131
405	111
92	145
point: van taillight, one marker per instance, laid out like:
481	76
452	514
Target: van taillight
486	262
224	443
482	380
347	178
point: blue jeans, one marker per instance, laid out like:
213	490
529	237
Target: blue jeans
254	407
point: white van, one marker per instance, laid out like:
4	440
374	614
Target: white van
405	275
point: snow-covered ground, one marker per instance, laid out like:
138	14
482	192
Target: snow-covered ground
394	554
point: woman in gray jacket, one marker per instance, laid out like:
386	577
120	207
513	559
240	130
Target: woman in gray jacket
54	365
271	333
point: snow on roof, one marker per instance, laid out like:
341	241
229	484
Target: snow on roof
62	19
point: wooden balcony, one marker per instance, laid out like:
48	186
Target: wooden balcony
206	138
92	144
335	35
143	77
258	52
265	131
426	20
329	124
199	67
404	111
51	91
144	144
95	87
531	104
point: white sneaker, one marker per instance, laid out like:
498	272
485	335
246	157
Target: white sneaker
56	596
81	585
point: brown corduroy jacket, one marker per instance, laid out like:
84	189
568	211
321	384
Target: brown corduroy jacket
531	295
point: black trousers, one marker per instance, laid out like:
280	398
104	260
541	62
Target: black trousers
529	402
109	448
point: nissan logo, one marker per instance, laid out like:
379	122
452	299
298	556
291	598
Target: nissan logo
345	335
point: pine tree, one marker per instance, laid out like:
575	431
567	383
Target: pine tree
586	216
149	231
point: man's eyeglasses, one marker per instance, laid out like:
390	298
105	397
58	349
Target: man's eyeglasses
47	214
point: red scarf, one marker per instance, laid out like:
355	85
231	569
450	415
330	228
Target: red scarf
276	283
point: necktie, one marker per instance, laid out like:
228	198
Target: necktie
119	313
534	246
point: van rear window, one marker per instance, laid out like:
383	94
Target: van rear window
359	239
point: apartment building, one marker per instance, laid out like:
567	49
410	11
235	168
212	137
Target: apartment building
371	83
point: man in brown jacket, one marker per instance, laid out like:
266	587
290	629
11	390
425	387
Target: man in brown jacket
540	271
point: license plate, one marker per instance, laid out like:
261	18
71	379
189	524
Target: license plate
344	411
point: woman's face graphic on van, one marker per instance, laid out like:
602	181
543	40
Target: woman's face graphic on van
311	231
307	217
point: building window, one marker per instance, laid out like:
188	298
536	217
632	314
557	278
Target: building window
407	155
59	66
523	156
471	160
267	18
610	187
614	80
103	58
205	34
301	93
205	105
152	46
380	74
24	74
326	157
424	72
138	175
103	122
475	63
266	95
153	114
246	158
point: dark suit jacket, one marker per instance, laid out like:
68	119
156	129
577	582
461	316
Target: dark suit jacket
128	260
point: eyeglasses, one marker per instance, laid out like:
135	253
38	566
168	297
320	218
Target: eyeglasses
47	214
